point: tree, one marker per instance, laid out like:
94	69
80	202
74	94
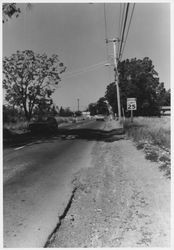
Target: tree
9	10
167	97
163	95
78	113
99	107
65	112
11	114
102	107
111	96
137	78
30	78
43	108
92	108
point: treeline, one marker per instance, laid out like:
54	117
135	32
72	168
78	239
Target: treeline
66	112
30	79
138	79
13	114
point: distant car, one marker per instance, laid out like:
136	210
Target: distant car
47	126
99	117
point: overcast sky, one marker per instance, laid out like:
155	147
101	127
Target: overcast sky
75	31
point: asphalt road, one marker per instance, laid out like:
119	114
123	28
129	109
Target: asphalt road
38	185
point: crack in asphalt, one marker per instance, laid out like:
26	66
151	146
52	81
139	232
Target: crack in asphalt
51	237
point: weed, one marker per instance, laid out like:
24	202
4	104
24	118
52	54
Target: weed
152	155
164	158
19	126
151	129
152	135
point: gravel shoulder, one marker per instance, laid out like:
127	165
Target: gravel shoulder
121	200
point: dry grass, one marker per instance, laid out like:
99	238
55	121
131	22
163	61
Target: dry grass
22	126
153	136
19	127
150	129
61	120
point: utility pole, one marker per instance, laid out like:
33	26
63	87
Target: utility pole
78	104
116	79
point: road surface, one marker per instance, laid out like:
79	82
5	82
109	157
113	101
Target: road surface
84	188
38	185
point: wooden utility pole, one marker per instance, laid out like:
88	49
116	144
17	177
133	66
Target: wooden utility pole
78	104
116	79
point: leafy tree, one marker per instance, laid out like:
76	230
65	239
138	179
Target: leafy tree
137	78
99	107
43	108
111	96
167	98
92	108
102	107
30	78
65	112
68	112
163	95
54	110
78	113
61	111
9	10
12	114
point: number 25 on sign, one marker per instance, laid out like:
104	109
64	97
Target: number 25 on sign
131	105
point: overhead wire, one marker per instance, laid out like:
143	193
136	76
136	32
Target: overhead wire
106	32
122	19
123	31
119	28
130	20
84	70
120	10
106	38
122	13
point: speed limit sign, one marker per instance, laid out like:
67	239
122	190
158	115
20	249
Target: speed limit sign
131	104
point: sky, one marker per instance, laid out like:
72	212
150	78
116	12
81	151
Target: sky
76	32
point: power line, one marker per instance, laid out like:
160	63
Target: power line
121	27
120	19
122	38
106	39
128	27
106	33
84	70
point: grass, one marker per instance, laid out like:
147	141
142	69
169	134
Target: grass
18	127
22	126
61	120
150	129
152	134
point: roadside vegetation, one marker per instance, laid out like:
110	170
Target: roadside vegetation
22	126
152	135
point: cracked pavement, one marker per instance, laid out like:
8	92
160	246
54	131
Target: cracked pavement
122	200
84	192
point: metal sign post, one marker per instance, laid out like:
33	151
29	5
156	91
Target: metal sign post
131	115
131	105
